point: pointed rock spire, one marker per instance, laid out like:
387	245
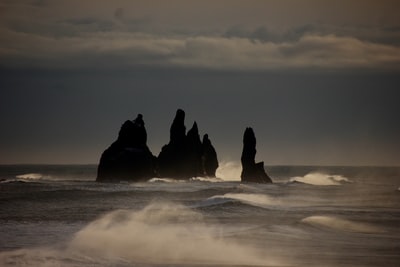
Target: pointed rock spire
252	171
184	157
178	129
209	158
194	151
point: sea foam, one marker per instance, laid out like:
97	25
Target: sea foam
257	200
317	178
30	176
160	233
229	170
340	224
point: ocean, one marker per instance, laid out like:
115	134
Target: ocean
57	215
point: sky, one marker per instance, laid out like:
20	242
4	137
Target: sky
318	81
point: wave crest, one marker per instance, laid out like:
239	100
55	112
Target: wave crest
160	233
317	178
229	171
340	224
165	180
257	200
30	176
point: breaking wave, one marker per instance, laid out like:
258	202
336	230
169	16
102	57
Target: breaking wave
165	180
207	179
26	178
339	224
316	178
257	200
267	201
30	176
194	179
158	234
229	171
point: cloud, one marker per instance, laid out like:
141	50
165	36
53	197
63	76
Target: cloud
76	34
111	49
333	51
374	34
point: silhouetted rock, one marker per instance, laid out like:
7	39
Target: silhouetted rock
172	158
194	151
184	156
209	158
178	129
128	158
252	171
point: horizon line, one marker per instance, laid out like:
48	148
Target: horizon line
269	165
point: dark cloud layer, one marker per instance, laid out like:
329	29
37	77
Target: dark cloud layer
123	49
68	34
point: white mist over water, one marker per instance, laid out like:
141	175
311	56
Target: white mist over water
161	233
341	224
229	170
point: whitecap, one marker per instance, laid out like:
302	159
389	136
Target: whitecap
207	179
317	178
229	171
161	233
340	224
258	200
213	201
165	180
30	176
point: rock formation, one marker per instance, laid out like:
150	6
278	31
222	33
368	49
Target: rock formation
128	158
252	171
194	152
209	158
185	156
171	160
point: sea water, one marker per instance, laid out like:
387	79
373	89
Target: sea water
311	216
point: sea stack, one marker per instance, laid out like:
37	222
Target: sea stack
252	171
209	158
171	160
128	158
185	156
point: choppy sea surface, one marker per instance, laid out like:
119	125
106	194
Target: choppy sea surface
311	216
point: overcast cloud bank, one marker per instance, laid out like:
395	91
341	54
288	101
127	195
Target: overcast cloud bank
216	35
124	49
